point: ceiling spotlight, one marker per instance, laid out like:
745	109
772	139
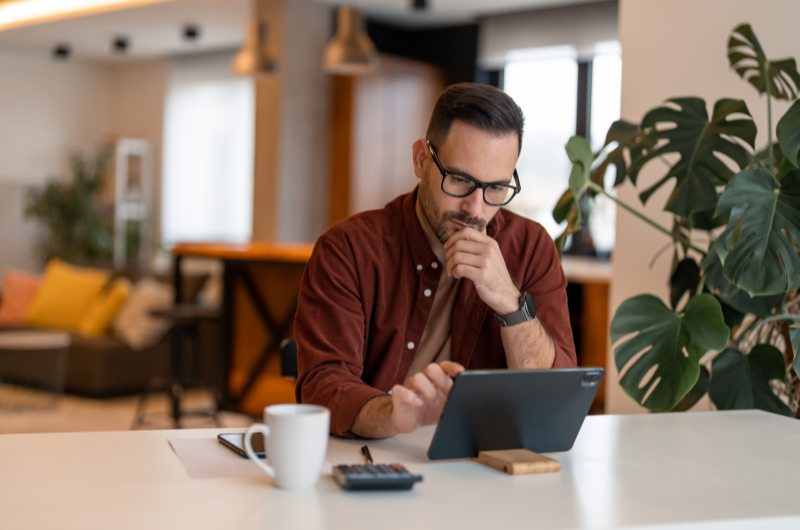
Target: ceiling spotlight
191	32
61	52
120	44
350	51
420	4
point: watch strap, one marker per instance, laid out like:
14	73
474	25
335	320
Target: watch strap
526	312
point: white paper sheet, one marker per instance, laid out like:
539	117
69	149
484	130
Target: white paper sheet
204	458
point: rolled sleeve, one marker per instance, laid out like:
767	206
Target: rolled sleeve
330	328
548	288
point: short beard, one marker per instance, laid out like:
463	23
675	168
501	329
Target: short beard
436	220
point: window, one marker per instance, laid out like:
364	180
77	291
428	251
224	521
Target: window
546	83
208	152
543	83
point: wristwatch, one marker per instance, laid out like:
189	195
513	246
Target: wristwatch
527	311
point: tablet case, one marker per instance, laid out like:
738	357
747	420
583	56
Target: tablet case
538	410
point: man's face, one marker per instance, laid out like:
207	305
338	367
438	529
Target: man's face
471	151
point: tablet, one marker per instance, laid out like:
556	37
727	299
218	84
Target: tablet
539	410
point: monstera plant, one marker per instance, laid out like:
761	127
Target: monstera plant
732	327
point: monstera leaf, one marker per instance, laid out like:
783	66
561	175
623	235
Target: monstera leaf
688	132
673	345
718	284
627	136
568	206
685	277
580	154
756	249
697	392
740	381
788	132
751	63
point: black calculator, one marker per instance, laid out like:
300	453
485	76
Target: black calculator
374	477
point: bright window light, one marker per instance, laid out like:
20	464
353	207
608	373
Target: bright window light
606	102
209	128
543	82
21	11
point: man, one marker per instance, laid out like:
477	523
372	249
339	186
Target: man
395	302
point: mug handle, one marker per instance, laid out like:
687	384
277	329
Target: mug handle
248	447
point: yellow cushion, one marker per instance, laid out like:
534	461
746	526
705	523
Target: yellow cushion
64	295
104	307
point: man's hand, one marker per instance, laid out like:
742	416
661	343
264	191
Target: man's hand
474	255
419	402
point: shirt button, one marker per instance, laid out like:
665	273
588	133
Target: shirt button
427	292
419	267
410	345
435	265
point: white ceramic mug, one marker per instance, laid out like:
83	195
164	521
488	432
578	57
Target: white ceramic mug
296	439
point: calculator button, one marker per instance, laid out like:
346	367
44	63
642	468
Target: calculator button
372	469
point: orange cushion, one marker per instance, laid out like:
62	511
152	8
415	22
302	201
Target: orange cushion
19	288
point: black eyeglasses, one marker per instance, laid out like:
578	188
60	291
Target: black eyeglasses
461	185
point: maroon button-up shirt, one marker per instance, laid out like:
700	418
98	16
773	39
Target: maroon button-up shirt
362	310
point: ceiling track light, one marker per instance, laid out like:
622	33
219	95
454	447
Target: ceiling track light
191	32
350	51
62	51
120	44
254	58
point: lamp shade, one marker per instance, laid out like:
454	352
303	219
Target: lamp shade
351	51
253	58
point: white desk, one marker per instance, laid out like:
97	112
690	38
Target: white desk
624	471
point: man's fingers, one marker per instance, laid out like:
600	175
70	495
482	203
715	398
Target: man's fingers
467	271
450	368
461	258
465	245
440	379
468	233
406	395
423	386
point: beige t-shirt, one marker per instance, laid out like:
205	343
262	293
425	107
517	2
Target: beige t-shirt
434	345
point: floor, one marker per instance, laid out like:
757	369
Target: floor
24	410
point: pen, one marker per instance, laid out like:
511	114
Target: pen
367	455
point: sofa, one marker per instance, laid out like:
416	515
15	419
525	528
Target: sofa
104	366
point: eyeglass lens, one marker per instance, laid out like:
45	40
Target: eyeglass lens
494	194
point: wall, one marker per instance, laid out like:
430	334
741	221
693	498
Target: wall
305	106
48	110
391	110
136	110
669	49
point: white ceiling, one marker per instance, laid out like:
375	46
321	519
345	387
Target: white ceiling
155	29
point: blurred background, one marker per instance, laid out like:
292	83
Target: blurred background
129	128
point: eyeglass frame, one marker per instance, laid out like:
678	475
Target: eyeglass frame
477	183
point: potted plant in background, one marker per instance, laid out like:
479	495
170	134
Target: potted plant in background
734	304
76	227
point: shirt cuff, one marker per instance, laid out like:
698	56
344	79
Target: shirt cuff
346	405
563	359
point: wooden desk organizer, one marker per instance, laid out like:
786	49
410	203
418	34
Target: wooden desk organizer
518	461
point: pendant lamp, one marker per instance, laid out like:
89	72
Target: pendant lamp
253	58
350	51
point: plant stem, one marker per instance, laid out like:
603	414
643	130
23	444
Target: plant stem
680	239
784	317
769	118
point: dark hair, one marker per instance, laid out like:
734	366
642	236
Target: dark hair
481	106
